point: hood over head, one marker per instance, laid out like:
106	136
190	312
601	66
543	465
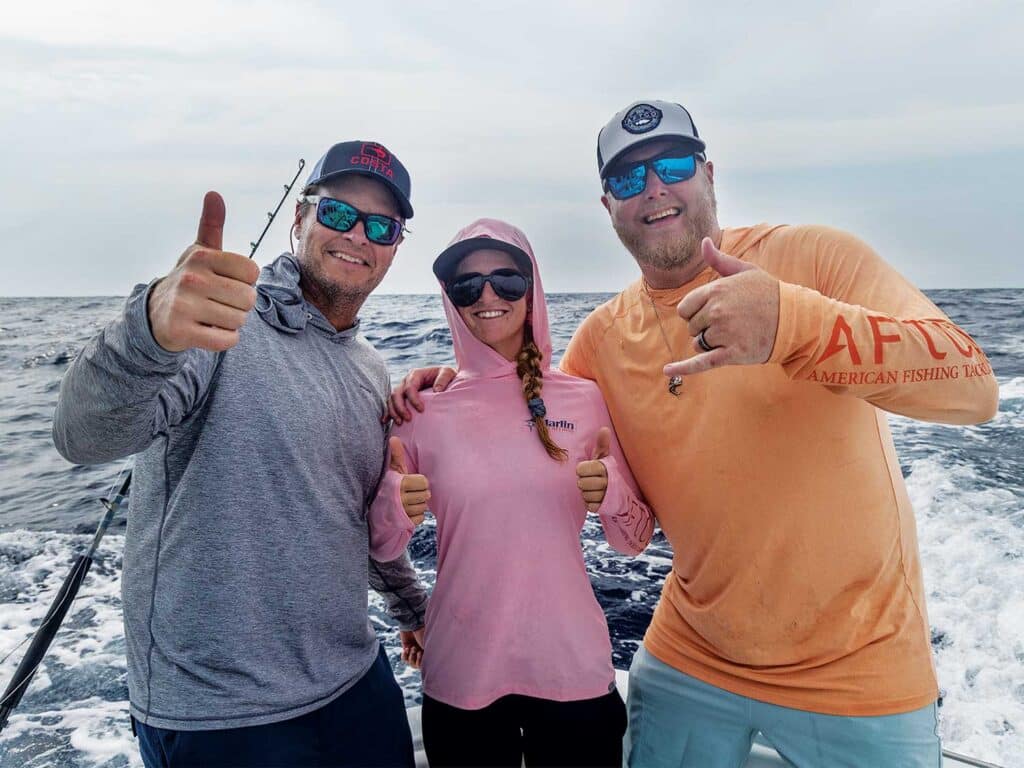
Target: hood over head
474	358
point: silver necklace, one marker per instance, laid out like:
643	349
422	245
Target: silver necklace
676	381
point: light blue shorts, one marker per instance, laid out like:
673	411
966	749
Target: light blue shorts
676	720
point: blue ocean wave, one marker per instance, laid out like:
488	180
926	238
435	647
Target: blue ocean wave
966	483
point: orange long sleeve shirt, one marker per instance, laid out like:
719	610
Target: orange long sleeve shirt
796	577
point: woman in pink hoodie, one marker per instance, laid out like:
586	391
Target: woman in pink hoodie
516	660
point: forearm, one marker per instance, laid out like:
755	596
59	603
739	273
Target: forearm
403	592
917	363
109	403
628	522
390	526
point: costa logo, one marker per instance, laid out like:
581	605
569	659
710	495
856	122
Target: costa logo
642	118
377	151
375	158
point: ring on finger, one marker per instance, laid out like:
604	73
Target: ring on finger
702	342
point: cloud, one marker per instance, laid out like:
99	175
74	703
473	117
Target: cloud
132	115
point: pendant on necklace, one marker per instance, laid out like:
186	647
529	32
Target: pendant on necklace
674	384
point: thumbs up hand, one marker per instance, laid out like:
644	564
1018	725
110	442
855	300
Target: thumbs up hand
592	476
415	488
736	317
206	298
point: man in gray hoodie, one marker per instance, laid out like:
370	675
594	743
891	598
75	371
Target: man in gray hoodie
259	445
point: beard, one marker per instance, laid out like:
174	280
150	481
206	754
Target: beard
700	217
332	295
327	294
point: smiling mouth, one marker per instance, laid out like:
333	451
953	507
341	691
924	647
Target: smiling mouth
661	215
347	258
490	314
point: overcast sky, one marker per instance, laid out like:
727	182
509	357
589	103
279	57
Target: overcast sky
902	122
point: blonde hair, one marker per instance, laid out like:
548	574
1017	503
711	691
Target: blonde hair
528	369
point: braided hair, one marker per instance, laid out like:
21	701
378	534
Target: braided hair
528	369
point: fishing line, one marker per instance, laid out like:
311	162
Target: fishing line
55	611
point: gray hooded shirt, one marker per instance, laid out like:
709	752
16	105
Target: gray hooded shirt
246	557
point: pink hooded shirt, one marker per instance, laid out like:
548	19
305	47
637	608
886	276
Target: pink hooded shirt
512	611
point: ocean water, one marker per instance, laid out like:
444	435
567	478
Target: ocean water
967	485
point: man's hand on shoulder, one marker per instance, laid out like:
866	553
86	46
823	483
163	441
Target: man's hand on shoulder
736	317
208	295
408	392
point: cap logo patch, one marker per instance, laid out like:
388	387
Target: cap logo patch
373	157
642	118
377	151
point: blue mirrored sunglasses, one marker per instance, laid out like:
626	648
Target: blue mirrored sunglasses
341	217
630	179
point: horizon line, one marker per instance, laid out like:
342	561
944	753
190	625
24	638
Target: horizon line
409	293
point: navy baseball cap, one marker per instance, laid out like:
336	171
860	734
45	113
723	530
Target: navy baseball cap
367	158
641	123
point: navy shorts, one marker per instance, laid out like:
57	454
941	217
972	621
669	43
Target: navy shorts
365	726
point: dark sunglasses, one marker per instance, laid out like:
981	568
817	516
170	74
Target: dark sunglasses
341	217
509	284
630	179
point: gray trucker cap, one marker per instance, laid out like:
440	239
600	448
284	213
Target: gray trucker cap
642	122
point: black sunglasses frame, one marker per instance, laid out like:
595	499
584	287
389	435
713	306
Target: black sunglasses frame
475	281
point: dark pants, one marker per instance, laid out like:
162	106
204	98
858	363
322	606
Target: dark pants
514	728
365	726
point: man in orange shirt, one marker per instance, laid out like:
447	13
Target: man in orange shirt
747	374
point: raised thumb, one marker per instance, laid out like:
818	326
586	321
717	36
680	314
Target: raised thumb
603	444
211	222
397	456
722	263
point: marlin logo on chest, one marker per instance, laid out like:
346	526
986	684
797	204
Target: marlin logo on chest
562	425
